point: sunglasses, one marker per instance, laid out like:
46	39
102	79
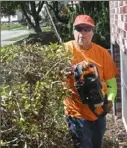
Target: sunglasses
86	28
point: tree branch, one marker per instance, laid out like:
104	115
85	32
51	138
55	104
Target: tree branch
25	13
33	8
26	6
56	12
41	3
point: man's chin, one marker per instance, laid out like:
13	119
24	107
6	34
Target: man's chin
81	43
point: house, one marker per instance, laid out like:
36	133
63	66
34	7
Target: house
118	28
12	18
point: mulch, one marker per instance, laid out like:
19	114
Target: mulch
116	135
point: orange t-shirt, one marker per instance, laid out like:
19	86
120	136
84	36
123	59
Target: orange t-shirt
107	70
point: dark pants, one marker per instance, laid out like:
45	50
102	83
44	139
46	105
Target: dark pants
87	134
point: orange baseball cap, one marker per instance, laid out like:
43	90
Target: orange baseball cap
83	19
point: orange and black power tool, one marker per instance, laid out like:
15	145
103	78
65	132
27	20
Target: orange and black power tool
88	84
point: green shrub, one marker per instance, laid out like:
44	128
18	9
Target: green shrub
32	97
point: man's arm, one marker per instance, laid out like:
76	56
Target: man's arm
112	89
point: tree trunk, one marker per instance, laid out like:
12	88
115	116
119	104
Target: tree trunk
35	25
9	19
37	28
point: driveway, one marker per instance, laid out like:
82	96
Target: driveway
8	34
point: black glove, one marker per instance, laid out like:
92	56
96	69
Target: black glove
78	71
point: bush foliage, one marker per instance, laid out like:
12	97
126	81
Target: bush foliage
32	97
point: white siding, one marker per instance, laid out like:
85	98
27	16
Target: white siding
123	57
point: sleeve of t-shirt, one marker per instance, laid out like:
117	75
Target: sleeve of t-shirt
109	68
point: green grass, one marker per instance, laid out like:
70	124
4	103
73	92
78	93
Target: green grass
46	29
20	26
12	26
17	38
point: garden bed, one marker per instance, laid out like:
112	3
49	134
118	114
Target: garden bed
115	136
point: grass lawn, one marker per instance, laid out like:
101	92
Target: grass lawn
12	26
46	29
17	38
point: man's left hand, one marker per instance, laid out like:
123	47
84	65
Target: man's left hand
107	107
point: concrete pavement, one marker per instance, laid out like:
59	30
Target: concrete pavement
8	34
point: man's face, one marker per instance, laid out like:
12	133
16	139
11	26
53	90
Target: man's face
83	34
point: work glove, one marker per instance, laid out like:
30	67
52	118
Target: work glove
107	107
78	71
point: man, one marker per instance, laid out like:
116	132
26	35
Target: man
88	125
